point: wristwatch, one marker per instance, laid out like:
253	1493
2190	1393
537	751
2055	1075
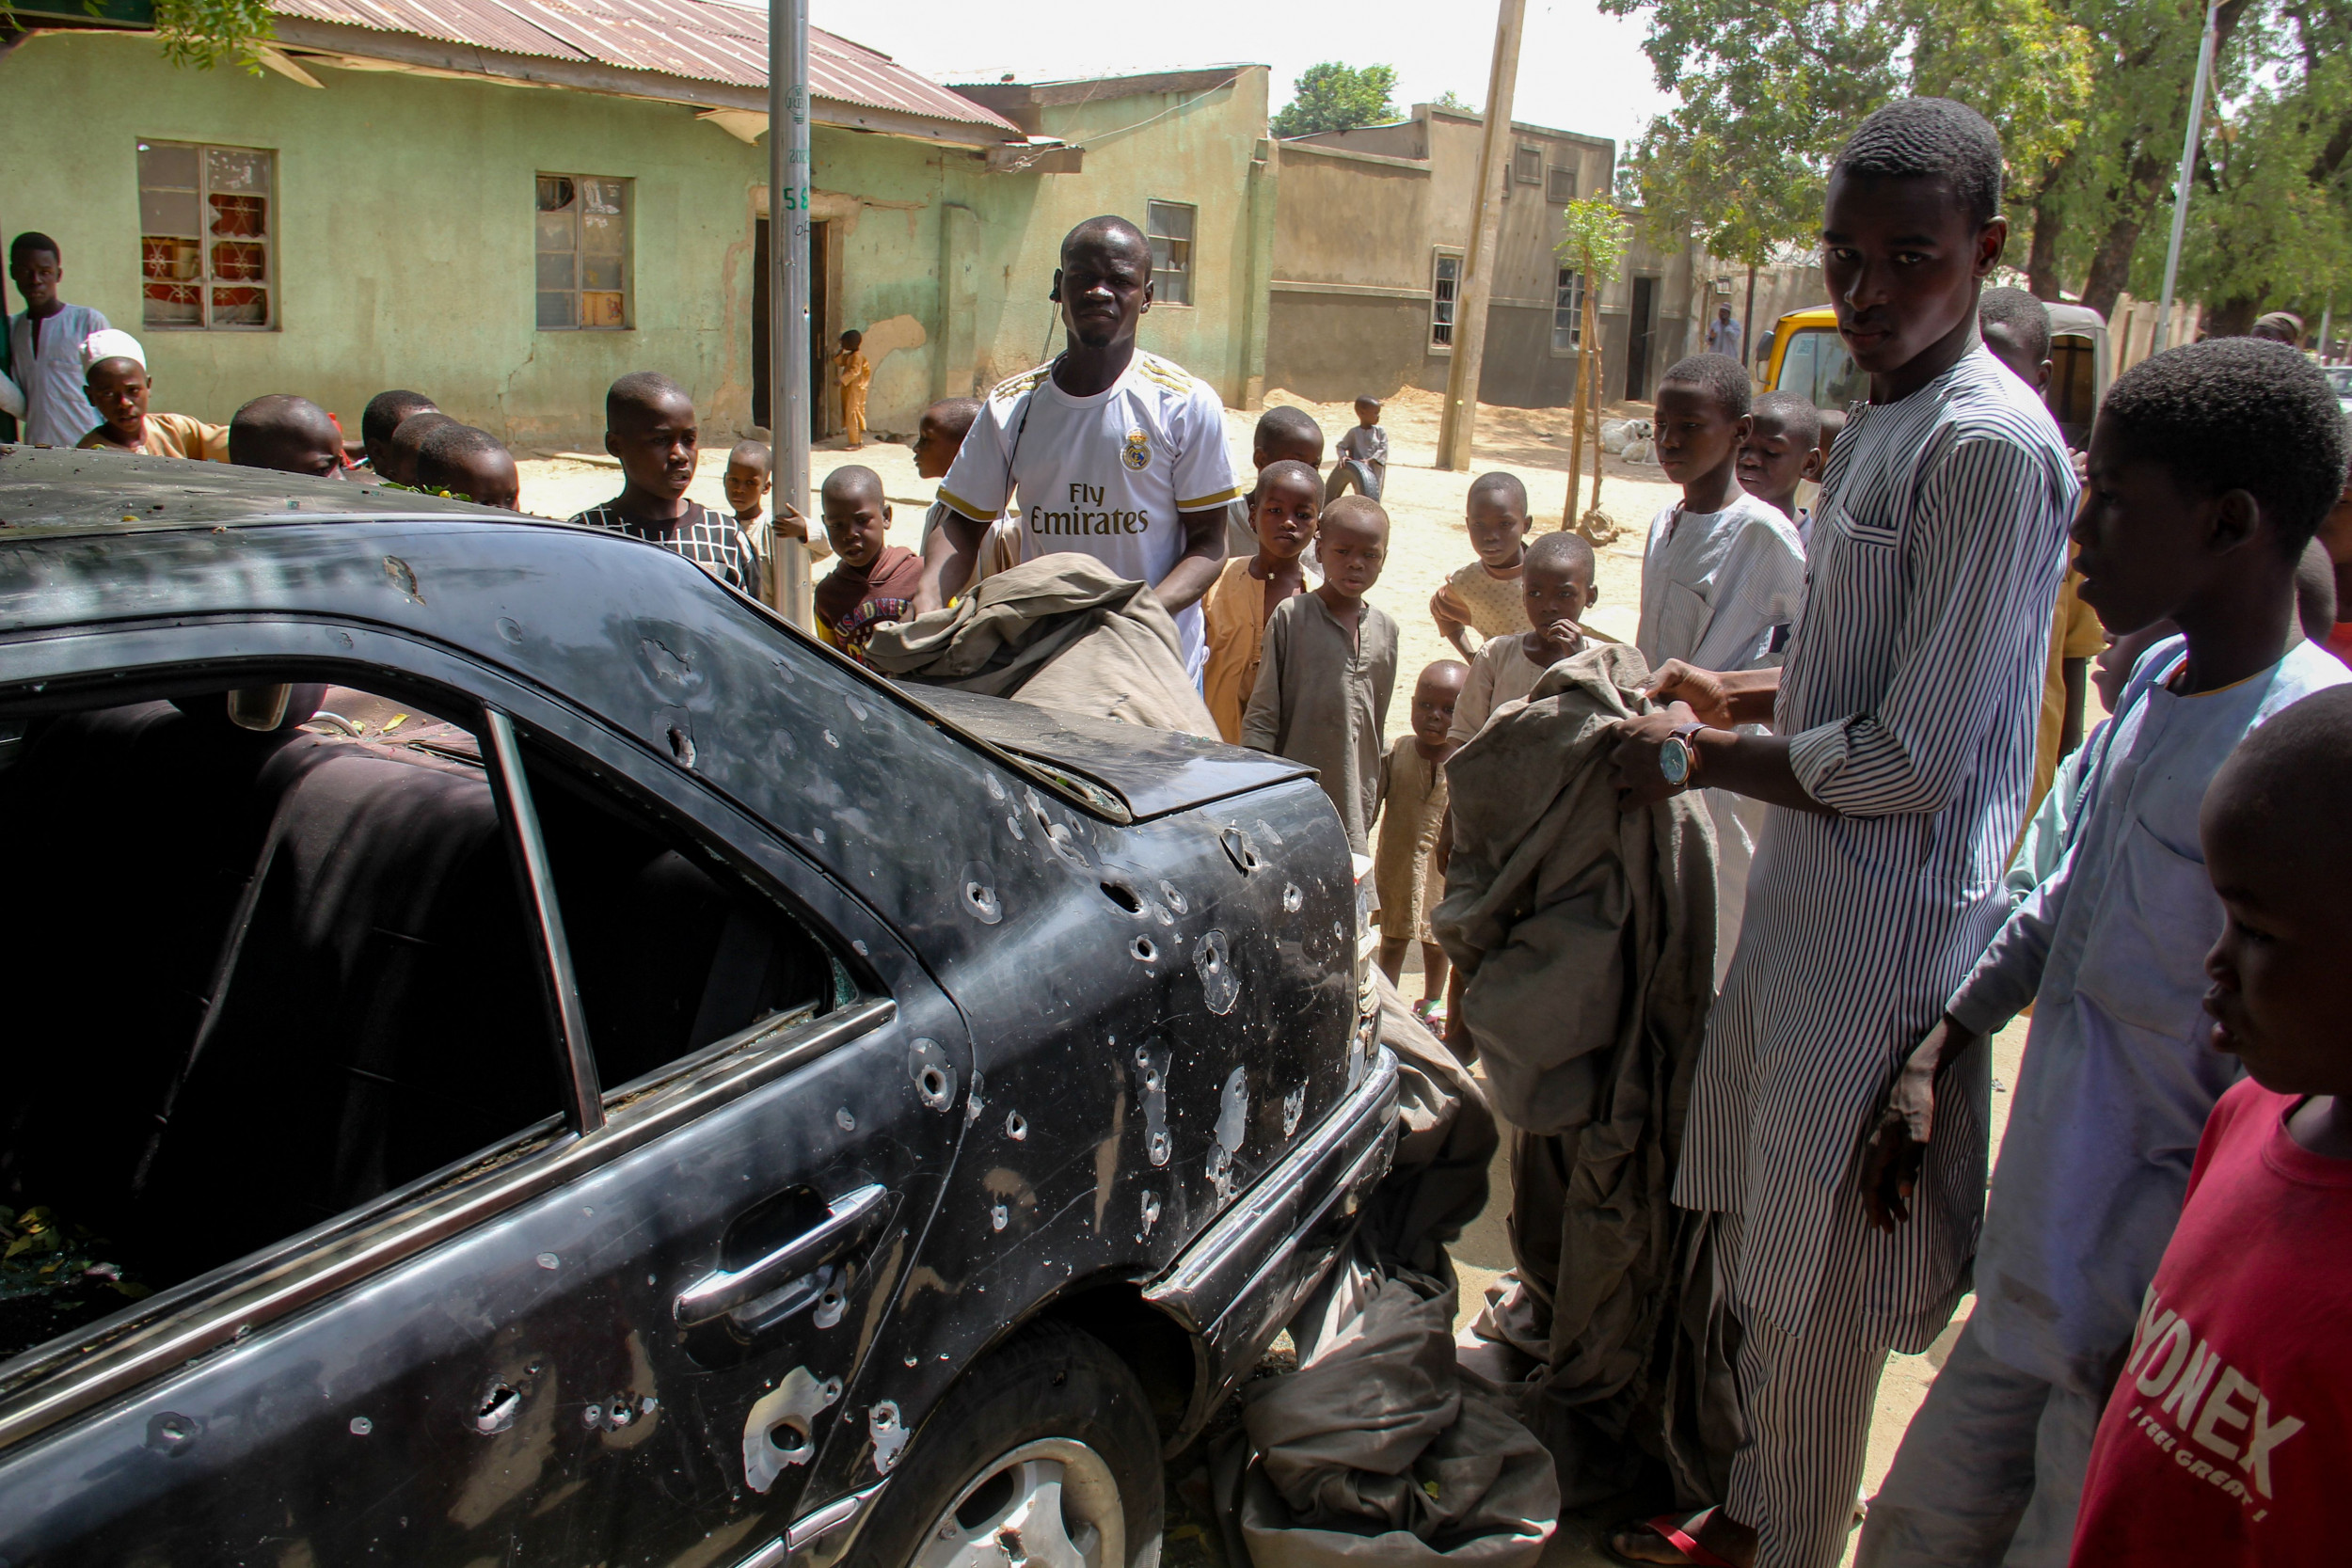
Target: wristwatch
1679	757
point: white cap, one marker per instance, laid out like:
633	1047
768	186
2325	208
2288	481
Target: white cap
111	343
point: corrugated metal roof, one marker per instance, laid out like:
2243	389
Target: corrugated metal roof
702	40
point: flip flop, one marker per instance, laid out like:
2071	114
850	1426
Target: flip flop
1677	1535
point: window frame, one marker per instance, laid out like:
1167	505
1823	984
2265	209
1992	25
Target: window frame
205	280
1569	281
1189	271
1448	304
58	1381
578	290
1552	174
1527	164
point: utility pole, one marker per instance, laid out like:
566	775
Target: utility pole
1460	421
2180	185
787	298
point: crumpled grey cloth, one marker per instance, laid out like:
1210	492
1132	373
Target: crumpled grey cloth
1446	1142
1378	1452
1062	631
1586	937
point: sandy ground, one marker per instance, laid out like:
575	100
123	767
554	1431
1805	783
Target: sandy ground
1428	542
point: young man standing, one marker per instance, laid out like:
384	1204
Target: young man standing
1722	333
649	424
1903	751
1113	453
45	341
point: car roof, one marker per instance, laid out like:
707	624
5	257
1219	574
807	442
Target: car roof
52	491
2063	318
619	625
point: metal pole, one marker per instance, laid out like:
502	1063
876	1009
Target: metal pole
1459	423
787	295
2179	186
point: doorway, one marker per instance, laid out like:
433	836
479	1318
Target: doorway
822	410
1637	348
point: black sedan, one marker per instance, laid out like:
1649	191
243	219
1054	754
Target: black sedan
546	1063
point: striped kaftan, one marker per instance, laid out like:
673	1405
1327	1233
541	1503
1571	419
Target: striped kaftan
1909	697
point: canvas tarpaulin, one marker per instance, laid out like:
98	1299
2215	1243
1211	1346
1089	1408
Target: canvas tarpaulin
1062	632
1586	938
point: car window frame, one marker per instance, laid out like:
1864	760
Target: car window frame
64	1377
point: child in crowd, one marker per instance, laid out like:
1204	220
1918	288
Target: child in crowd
382	415
1408	872
853	372
289	434
876	581
472	464
1330	669
649	424
2210	466
1481	599
1285	434
1251	588
1783	449
2016	329
784	541
1555	589
1833	421
2227	1437
1363	454
45	341
399	466
119	385
1721	579
938	436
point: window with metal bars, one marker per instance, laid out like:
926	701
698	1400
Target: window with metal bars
582	239
207	236
1445	284
1567	311
1170	227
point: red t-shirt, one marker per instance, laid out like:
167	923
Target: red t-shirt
2339	641
2229	1438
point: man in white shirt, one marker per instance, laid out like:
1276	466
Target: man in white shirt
1110	452
1722	333
45	341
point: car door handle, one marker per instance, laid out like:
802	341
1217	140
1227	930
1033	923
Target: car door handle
849	1221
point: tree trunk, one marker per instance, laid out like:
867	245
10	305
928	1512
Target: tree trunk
2111	265
1576	443
2230	318
1747	324
2042	257
1589	334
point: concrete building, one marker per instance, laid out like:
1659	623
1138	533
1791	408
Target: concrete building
507	206
1371	227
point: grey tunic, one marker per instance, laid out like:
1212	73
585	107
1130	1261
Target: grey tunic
1323	699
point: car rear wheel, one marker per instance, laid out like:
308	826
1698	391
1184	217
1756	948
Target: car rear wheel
1045	1454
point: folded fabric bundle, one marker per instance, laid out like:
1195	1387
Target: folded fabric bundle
1585	936
1063	632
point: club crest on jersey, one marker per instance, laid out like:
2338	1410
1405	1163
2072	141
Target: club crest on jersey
1137	452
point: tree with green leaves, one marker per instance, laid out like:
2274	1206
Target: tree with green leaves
1594	237
2091	100
207	33
1452	102
1335	96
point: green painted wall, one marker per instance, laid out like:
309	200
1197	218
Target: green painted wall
1202	149
404	249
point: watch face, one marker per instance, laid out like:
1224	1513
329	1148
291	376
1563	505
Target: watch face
1674	759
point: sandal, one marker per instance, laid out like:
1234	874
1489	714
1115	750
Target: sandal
1680	1534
